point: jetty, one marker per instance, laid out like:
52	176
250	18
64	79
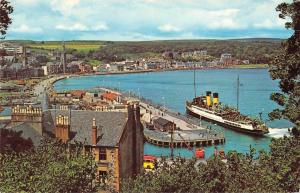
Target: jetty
182	132
184	138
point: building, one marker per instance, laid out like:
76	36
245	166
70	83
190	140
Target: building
81	66
63	58
226	59
53	68
115	138
11	49
200	53
163	124
77	94
18	71
111	97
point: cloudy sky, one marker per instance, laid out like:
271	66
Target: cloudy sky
145	19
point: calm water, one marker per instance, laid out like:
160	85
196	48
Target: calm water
174	88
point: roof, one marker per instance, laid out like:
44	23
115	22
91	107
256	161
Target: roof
77	93
28	131
110	96
162	121
110	125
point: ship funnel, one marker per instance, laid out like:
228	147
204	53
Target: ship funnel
215	98
208	98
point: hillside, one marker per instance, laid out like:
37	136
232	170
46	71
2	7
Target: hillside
257	50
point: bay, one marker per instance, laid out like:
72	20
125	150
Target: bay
173	88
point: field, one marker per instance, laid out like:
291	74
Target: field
251	66
78	45
95	62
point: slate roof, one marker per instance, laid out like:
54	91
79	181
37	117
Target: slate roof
162	121
28	131
110	125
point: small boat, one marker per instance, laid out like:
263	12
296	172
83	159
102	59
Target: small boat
1	109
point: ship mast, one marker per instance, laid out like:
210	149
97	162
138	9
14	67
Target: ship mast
237	92
195	80
172	142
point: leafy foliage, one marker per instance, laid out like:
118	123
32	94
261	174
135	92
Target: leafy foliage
50	168
276	171
11	141
5	20
286	68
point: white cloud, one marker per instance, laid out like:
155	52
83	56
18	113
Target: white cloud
168	28
81	27
27	2
100	27
64	7
26	29
145	19
269	24
226	23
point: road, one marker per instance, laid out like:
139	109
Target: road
43	88
182	124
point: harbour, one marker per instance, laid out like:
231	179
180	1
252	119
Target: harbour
172	92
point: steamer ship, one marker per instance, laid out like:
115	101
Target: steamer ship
208	108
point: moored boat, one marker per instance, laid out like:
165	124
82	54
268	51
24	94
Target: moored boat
208	108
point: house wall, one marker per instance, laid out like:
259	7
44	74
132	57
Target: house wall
131	145
110	165
29	115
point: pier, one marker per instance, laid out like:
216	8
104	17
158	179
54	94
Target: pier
188	133
187	138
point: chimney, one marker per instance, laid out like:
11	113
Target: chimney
62	128
94	133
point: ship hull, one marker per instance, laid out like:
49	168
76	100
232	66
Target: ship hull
226	124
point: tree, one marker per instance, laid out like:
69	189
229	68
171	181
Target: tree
52	167
274	171
11	141
5	20
286	68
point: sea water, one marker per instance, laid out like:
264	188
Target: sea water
174	88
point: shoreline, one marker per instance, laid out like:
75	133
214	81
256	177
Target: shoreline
61	77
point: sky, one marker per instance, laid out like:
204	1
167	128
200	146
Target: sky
136	20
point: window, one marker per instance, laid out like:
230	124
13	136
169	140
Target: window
102	176
102	154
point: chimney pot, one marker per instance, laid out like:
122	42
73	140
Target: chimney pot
94	122
94	132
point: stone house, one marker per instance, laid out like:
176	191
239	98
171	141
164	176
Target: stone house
115	138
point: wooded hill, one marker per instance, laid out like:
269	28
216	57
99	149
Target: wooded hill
256	50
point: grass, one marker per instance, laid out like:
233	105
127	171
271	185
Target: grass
80	46
95	62
9	94
251	66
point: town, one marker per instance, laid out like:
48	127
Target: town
20	62
149	96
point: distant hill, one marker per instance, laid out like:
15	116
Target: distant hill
257	50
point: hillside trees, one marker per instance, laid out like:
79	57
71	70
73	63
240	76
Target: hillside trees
274	171
51	167
286	68
5	20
